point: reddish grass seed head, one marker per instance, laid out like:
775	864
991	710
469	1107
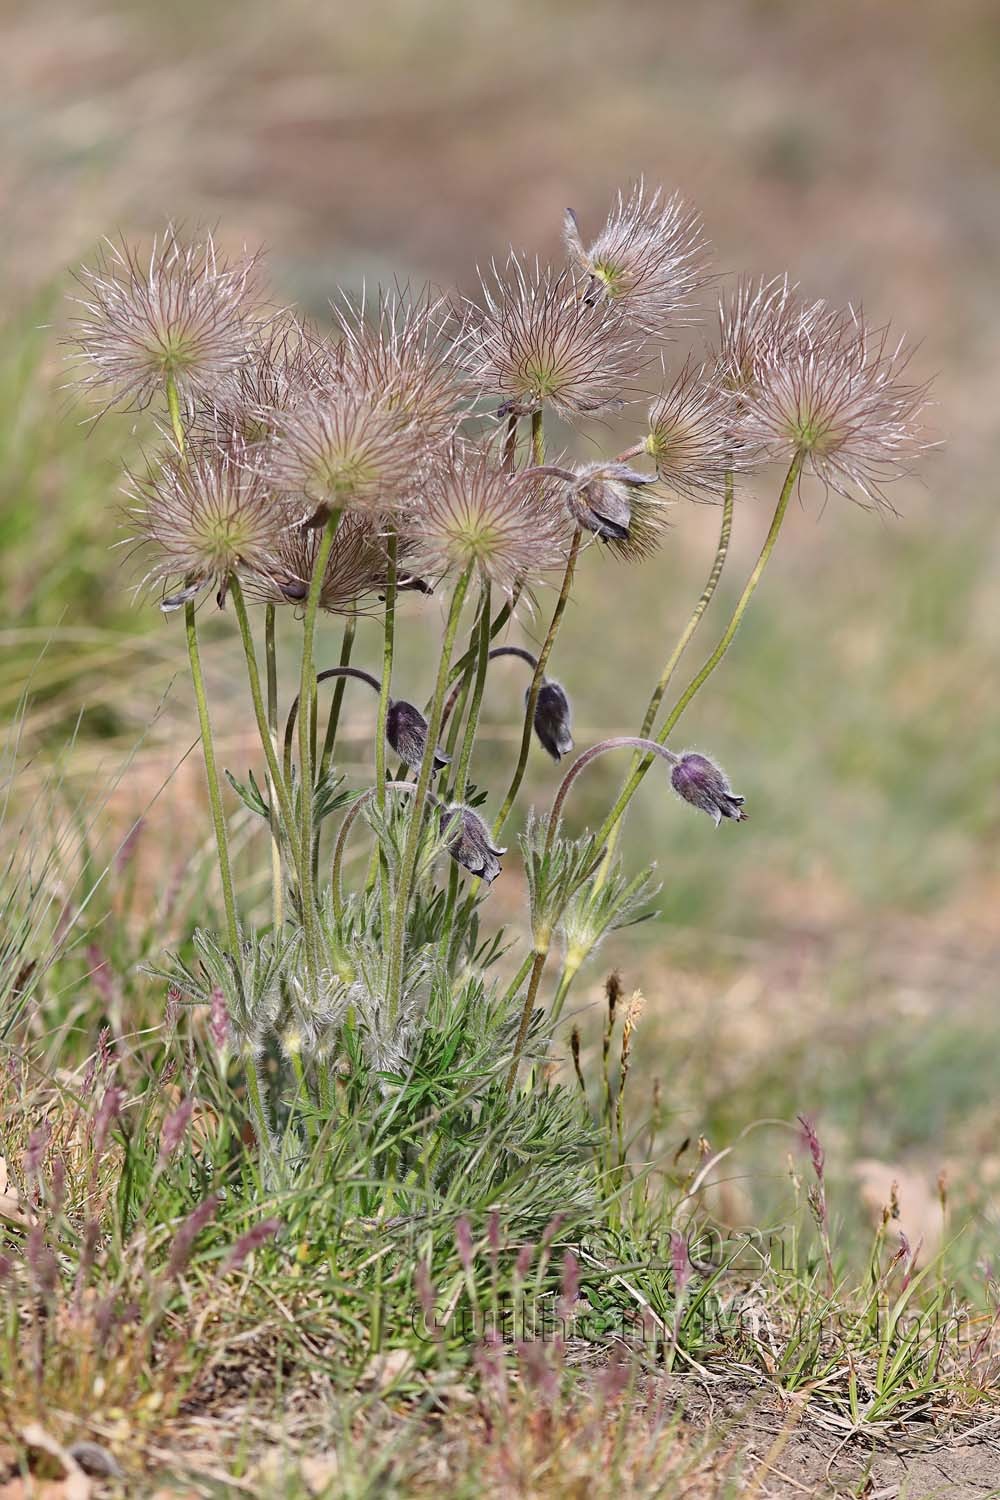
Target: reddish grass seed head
838	398
181	315
476	514
648	260
538	340
205	515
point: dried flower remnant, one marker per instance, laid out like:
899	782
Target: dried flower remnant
698	781
204	515
403	357
619	505
344	450
470	843
692	438
354	572
180	317
406	731
648	260
474	514
838	402
538	340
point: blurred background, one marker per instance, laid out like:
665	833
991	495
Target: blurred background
837	954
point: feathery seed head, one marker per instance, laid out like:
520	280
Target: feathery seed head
474	513
343	450
470	842
691	436
837	398
539	340
700	782
648	260
286	361
182	316
402	357
759	322
205	515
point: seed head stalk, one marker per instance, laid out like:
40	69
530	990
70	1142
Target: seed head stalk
412	845
333	722
728	635
469	739
271	667
683	640
212	777
204	722
388	648
307	723
538	457
542	951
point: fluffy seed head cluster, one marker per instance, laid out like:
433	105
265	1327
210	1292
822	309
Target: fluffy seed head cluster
344	450
402	357
474	513
539	340
648	260
691	438
759	324
285	362
182	315
206	514
838	399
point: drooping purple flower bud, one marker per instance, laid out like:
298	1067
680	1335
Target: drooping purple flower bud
702	784
471	844
406	731
553	719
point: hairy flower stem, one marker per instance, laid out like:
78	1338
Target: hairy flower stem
542	951
336	872
698	681
333	722
537	965
412	845
536	685
174	408
277	780
307	723
388	647
683	640
340	674
212	777
461	781
271	665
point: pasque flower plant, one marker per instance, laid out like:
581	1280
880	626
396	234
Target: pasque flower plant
305	473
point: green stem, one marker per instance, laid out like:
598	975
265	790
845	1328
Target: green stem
388	650
619	742
472	722
212	777
340	674
537	965
263	726
271	661
307	719
412	845
333	722
337	870
697	682
537	438
683	640
536	684
174	408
